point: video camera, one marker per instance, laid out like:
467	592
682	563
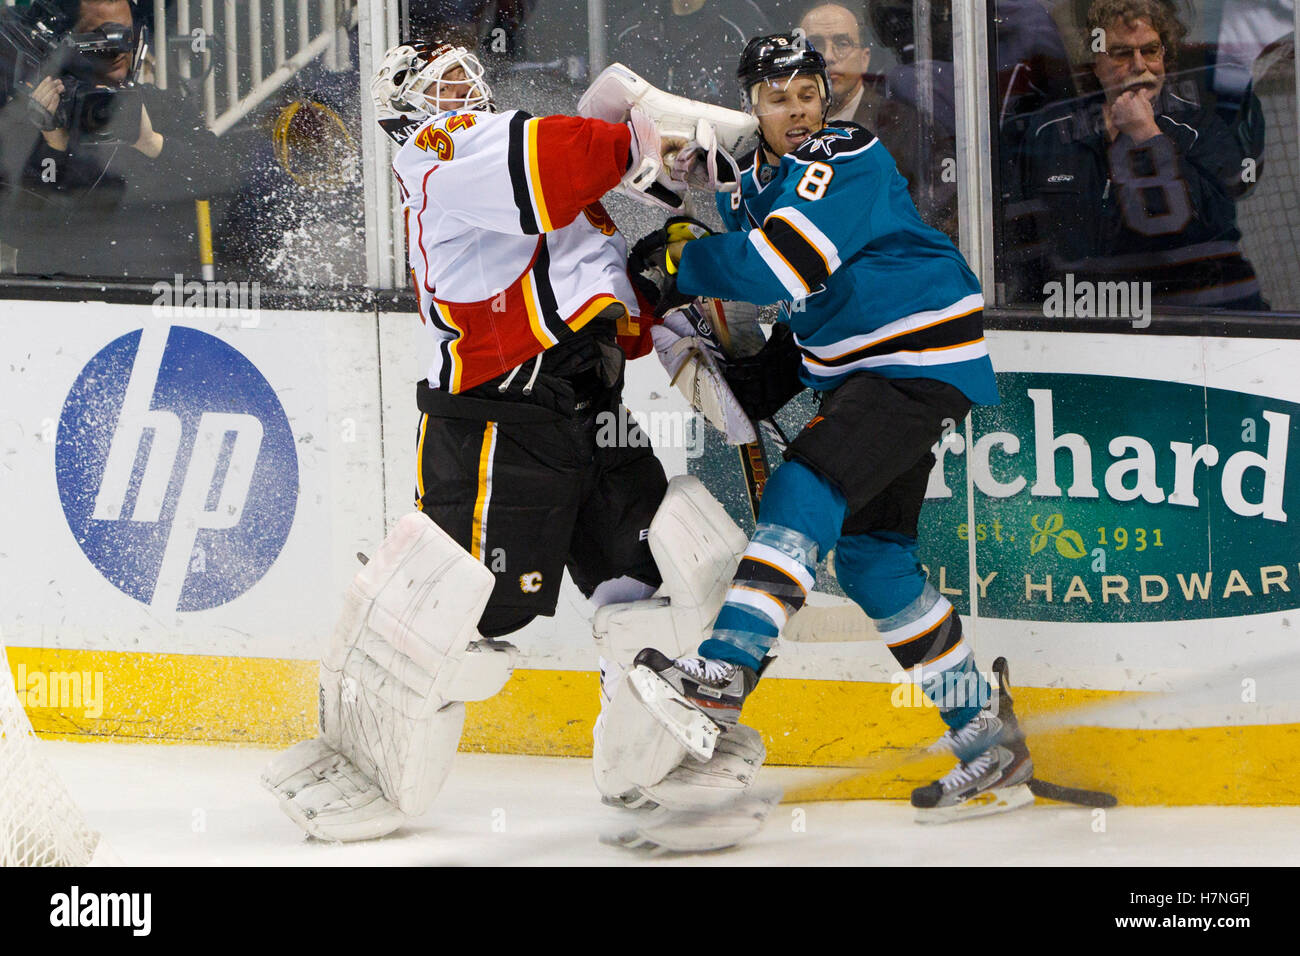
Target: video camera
32	48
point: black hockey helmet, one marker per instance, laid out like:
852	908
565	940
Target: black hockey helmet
780	56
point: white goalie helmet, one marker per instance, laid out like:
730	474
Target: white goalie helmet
412	86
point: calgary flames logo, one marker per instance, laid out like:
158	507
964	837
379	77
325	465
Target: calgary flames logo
598	217
531	582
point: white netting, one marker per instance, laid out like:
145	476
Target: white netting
1270	216
39	824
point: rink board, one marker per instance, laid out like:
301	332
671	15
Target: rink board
189	603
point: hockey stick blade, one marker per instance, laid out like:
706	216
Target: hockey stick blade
1083	798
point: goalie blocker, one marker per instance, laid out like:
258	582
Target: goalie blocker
403	658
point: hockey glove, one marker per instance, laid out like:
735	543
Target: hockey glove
765	382
647	180
704	164
652	264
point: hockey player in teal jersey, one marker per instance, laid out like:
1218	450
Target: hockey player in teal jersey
883	318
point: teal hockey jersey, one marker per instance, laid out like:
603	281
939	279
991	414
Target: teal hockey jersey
864	283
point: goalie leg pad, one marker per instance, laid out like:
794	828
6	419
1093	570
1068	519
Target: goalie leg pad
697	832
709	800
717	783
696	547
327	796
616	790
631	747
397	659
483	671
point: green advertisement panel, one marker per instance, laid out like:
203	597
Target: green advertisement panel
1104	499
1101	499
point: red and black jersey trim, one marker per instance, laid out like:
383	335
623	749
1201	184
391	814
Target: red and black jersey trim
517	163
550	310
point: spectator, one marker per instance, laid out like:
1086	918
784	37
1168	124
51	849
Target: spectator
838	33
1136	182
1033	67
118	204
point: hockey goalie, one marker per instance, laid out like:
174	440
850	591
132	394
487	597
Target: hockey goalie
522	283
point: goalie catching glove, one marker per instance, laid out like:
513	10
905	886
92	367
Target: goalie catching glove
693	360
652	263
676	141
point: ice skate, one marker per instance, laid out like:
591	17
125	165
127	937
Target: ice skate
718	688
694	698
992	775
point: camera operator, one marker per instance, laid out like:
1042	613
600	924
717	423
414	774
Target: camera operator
101	167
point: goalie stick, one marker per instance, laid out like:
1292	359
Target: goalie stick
753	461
739	336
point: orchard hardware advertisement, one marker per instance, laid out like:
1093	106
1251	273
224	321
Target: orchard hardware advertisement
1106	499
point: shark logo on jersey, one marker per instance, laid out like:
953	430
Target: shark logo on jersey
176	468
824	140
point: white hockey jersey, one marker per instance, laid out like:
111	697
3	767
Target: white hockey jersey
510	250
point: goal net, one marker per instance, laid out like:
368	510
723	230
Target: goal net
39	823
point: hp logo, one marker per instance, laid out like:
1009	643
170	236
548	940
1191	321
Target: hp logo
176	468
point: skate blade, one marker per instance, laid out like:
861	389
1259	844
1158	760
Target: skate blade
682	719
998	800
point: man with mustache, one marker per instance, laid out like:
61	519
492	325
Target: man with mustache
1139	181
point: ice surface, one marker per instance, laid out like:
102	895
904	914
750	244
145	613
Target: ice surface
200	806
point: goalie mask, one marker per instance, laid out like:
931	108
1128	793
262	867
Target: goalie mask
419	80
